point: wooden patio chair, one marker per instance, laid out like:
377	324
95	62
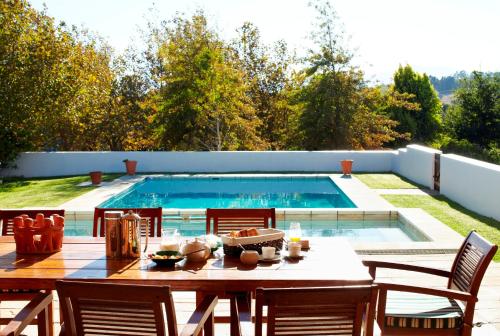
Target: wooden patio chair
91	308
153	214
7	217
18	294
348	310
412	310
38	308
226	220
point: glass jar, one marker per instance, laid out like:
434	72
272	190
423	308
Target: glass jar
170	239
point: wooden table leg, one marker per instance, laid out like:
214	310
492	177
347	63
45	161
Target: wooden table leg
43	326
240	309
50	318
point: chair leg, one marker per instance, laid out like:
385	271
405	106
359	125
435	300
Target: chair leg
468	319
382	299
466	330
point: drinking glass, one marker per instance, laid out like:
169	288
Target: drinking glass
294	232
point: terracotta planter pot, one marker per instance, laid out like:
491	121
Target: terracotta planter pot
346	166
96	177
131	166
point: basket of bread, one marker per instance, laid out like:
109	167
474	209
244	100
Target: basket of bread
251	239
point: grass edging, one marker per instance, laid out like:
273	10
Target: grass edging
452	214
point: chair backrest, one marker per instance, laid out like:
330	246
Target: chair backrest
153	214
226	220
316	311
471	263
7	217
91	308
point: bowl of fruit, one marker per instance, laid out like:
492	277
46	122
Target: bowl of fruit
166	258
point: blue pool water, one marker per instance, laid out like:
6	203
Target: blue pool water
369	231
223	192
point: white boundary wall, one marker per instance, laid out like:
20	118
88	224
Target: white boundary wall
416	163
34	164
471	183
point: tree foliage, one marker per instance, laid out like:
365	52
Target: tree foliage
340	111
272	85
127	122
62	88
372	127
54	83
478	109
202	101
423	124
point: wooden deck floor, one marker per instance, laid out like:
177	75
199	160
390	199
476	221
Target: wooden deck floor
487	309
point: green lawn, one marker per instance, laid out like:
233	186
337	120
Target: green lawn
452	214
386	181
45	192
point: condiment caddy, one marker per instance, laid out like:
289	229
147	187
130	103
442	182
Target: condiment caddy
123	234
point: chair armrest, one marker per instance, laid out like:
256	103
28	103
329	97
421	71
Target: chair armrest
448	293
373	265
200	316
27	314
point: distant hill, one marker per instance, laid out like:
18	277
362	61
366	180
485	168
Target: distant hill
445	86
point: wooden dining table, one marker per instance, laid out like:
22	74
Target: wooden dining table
329	262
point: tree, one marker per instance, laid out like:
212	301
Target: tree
332	86
25	36
202	101
331	102
54	83
372	127
271	85
477	110
423	124
340	111
127	122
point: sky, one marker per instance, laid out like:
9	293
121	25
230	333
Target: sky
438	37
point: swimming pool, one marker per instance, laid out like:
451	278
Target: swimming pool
229	192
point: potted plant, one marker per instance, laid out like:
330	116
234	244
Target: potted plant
131	166
346	166
96	177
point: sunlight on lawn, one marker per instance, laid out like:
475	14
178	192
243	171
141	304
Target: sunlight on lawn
386	181
43	192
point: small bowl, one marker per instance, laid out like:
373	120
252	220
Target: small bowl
172	259
167	253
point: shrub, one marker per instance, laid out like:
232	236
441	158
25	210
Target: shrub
466	148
